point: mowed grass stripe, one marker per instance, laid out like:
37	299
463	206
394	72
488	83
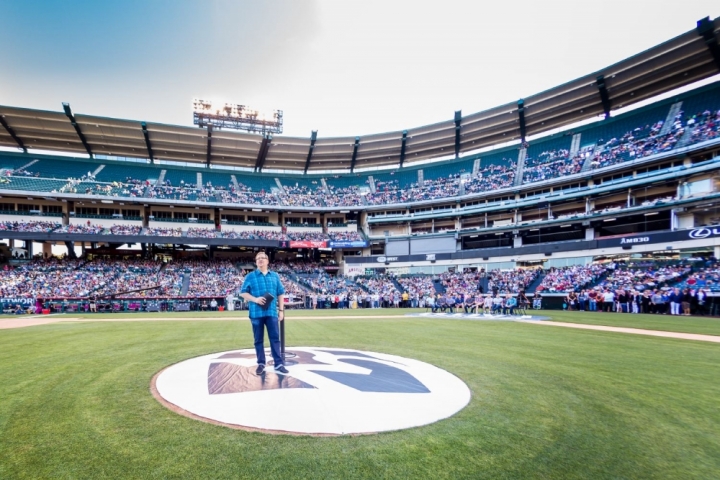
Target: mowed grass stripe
547	403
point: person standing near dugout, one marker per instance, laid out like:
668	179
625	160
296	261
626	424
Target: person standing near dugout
265	311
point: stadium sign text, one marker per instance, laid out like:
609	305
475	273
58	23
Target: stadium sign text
635	240
15	301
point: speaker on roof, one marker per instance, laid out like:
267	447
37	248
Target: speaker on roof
548	254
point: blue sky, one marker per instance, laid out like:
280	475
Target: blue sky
344	68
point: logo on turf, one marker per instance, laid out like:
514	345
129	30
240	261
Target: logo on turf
328	390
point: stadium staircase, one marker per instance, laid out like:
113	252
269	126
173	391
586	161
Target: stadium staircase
522	155
303	282
598	280
279	184
438	285
670	118
185	284
591	158
28	165
398	285
371	183
324	185
420	176
362	287
199	180
81	265
97	170
235	182
161	177
476	167
535	283
575	144
686	138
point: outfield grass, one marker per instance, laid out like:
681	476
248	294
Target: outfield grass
547	403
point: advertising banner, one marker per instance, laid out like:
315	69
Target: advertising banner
14	301
700	233
348	244
308	244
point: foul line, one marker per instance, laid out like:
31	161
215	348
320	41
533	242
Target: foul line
635	331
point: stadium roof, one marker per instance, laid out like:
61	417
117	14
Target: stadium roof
685	59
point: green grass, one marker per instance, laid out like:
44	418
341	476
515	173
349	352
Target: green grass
546	403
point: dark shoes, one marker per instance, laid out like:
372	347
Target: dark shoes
281	369
260	370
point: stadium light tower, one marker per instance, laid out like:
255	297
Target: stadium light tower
238	117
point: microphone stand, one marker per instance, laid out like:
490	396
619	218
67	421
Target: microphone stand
285	355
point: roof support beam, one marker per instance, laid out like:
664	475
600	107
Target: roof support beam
12	133
208	156
458	119
313	139
604	96
69	114
262	153
705	29
354	156
521	118
147	142
402	148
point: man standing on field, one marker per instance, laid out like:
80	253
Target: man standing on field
264	292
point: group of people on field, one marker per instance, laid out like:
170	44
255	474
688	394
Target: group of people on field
670	301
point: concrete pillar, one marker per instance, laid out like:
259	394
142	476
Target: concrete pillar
47	249
590	233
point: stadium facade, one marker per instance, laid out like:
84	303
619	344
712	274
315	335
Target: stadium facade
642	181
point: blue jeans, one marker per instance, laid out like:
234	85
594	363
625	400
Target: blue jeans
258	326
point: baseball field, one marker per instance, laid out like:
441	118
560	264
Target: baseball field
547	401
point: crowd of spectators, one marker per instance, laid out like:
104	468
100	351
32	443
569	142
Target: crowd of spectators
345	237
318	236
492	177
125	229
641	278
571	278
553	164
183	192
673	288
88	228
195	232
301	267
303	196
34	227
705	125
213	278
164	231
253	234
511	280
639	142
344	196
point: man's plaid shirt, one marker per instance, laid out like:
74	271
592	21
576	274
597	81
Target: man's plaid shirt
257	285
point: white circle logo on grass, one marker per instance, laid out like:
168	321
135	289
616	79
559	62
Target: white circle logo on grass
328	391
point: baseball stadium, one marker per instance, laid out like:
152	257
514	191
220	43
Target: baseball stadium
527	291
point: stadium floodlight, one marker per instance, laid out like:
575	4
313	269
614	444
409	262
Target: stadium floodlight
237	117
